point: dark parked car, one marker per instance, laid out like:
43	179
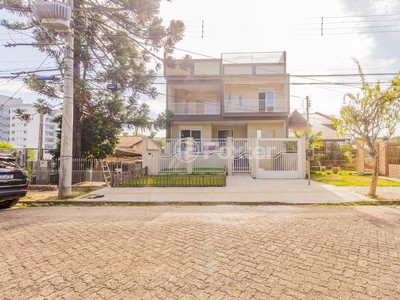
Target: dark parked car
13	182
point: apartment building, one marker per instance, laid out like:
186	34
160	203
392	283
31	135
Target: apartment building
23	134
240	95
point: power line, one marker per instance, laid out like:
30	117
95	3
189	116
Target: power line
22	84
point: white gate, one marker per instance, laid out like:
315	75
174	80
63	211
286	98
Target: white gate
241	155
278	158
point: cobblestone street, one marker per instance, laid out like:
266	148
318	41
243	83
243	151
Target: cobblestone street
194	252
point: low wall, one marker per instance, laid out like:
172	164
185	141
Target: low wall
394	171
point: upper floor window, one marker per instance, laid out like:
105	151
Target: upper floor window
240	103
229	96
266	101
270	101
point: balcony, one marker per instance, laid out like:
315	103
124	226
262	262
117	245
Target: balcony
256	106
195	108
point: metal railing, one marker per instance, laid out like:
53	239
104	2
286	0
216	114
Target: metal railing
127	178
279	155
252	106
203	155
195	108
47	171
241	151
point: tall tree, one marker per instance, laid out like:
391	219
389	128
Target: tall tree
370	114
114	42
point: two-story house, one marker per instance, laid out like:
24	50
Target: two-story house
240	95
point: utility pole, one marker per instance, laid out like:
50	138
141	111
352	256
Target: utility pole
40	142
65	177
308	138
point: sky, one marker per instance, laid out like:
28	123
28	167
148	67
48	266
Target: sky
320	37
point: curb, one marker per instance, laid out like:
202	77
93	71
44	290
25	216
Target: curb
207	203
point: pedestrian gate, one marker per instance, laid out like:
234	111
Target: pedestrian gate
241	155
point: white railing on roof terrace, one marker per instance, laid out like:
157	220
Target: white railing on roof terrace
195	108
253	58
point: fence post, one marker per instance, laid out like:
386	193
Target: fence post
360	166
189	162
229	153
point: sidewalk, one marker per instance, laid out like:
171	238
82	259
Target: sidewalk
239	190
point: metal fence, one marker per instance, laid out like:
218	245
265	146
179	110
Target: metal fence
127	178
47	171
203	155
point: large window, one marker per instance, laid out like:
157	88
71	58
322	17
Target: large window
266	101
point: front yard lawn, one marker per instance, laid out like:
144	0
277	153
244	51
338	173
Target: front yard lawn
349	179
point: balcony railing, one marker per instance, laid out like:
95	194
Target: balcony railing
195	108
253	106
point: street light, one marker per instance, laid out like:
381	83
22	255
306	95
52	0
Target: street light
57	16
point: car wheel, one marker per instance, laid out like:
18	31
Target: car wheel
8	203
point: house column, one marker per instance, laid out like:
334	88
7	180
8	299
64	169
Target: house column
189	161
253	156
382	157
229	153
150	158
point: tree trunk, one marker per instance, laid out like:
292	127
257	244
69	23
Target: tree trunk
77	142
374	180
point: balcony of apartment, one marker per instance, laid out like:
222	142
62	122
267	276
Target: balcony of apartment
256	96
195	108
256	106
194	99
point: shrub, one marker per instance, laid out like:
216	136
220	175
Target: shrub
335	170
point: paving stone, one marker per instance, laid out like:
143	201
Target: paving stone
192	252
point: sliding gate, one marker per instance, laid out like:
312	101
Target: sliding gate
278	158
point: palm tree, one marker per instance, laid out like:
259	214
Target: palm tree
42	108
139	119
164	121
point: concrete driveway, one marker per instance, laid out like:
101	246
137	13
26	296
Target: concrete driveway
239	190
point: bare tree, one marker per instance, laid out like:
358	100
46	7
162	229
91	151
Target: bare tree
370	114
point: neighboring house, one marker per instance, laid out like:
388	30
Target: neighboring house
318	122
131	146
240	95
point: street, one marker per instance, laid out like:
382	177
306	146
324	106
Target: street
200	252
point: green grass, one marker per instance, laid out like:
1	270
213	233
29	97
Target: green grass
349	179
195	170
176	180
